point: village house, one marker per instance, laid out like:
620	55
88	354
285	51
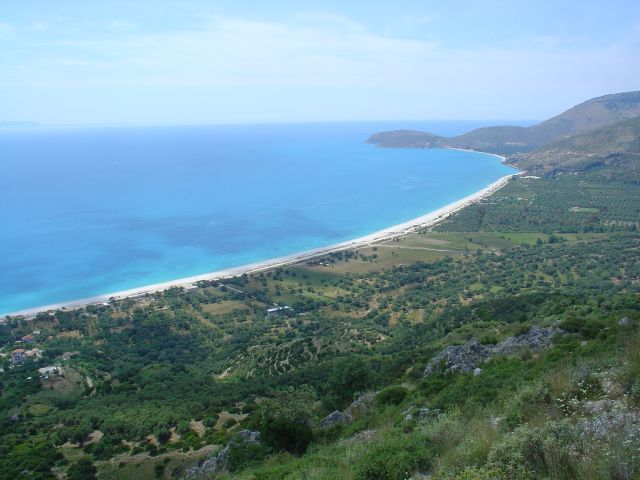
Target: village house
17	357
276	311
34	353
51	371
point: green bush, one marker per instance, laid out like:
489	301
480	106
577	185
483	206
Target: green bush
529	401
528	453
489	339
83	469
588	328
282	435
347	376
245	455
395	458
474	473
391	395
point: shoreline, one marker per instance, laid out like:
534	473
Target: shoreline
427	220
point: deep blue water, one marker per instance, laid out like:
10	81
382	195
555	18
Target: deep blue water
88	211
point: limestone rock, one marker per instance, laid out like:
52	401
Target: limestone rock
218	463
467	357
536	339
459	358
420	413
335	418
362	405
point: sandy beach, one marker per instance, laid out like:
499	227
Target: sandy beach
426	220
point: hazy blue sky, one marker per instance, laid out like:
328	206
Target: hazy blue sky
164	61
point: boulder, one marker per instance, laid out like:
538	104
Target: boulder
335	418
249	437
361	437
359	408
536	339
598	407
468	356
459	358
362	405
420	413
218	463
625	424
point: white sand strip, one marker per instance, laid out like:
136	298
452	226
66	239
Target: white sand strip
423	221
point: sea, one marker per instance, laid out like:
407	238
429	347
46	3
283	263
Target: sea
86	211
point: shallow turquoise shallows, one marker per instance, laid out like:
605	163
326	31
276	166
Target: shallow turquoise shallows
88	211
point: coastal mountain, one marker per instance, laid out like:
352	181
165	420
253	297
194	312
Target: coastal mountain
587	116
590	115
614	146
406	139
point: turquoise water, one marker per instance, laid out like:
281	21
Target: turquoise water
88	211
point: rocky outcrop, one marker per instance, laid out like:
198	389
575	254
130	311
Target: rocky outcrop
459	358
361	437
359	408
420	413
362	405
218	463
335	418
606	424
536	339
468	356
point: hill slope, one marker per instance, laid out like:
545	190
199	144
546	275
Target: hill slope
587	116
590	115
615	145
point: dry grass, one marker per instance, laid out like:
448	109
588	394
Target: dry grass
224	307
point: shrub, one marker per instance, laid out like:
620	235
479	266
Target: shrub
348	376
282	435
391	395
83	469
530	400
244	455
588	328
394	458
535	452
164	436
489	339
474	473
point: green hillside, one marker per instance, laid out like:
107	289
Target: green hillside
501	344
615	148
587	116
590	115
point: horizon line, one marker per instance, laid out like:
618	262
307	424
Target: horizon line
32	124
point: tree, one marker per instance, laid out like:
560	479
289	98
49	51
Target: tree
348	376
83	469
284	419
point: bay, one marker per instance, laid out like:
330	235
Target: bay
92	210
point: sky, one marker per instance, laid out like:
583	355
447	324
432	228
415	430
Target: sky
195	61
